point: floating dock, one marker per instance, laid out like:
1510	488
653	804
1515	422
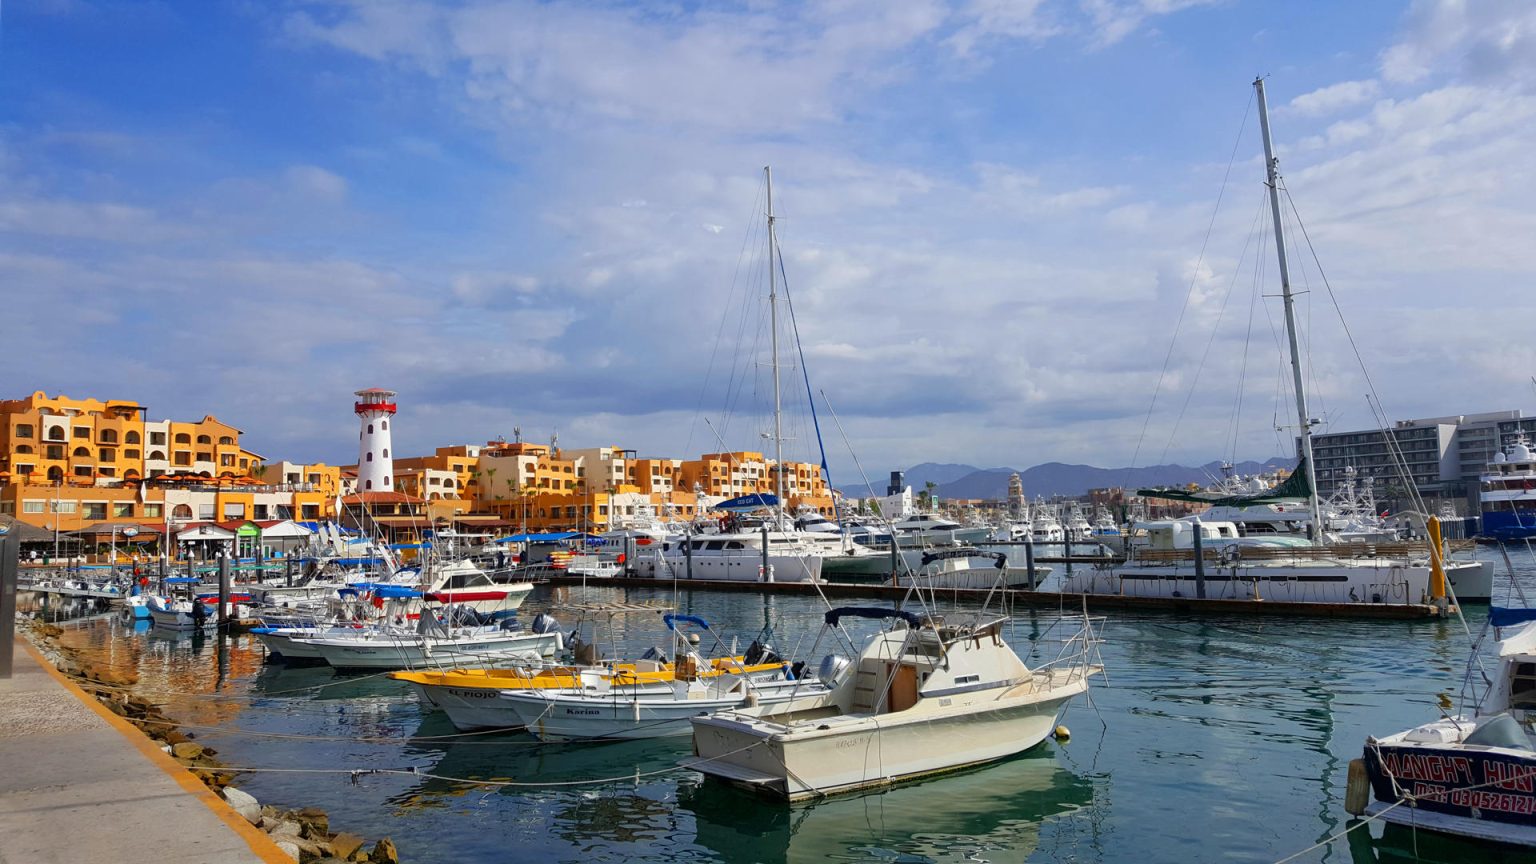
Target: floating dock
1051	599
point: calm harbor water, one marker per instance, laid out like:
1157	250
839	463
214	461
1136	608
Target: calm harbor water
1210	739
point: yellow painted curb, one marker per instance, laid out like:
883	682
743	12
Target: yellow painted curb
261	844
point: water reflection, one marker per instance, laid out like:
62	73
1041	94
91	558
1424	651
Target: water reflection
1402	844
991	813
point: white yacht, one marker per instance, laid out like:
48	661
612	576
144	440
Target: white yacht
1508	493
926	696
739	557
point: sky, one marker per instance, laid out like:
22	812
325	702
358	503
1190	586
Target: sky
1013	232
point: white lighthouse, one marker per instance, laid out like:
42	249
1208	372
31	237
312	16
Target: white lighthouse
375	469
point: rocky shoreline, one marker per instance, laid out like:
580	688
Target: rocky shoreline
304	834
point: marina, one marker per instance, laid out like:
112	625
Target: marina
1193	712
940	432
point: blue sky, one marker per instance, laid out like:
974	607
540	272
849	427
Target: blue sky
532	214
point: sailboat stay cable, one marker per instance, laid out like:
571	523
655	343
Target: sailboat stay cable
1354	347
1174	339
1210	341
1242	372
805	374
698	408
885	520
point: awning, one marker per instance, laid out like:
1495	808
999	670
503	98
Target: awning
748	503
537	538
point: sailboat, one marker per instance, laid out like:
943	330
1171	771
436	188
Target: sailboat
1223	565
776	551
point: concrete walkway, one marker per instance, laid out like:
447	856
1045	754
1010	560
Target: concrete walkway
80	785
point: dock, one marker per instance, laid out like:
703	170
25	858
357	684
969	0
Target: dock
1011	598
81	784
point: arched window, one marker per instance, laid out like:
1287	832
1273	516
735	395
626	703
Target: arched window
384	424
226	440
131	438
55	473
370	485
386	479
56	433
183	438
82	452
181	511
23	448
370	428
370	455
386	452
204	439
157	455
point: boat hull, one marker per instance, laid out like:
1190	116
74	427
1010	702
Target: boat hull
1501	808
746	567
853	752
415	653
623	715
1320	583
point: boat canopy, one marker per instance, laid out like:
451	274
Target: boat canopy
671	621
748	503
1295	488
876	612
1500	616
999	559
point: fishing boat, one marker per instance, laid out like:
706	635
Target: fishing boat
925	696
1316	570
607	707
445	638
171	614
1473	774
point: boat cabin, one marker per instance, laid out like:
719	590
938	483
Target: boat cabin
1180	534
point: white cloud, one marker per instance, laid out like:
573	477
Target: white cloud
1485	40
1335	97
316	183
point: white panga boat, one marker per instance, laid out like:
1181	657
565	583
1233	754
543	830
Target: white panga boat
171	614
927	695
435	643
1472	775
606	707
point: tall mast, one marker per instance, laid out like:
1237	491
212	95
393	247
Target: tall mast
773	318
1272	168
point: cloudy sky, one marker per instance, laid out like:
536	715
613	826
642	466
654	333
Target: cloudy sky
996	217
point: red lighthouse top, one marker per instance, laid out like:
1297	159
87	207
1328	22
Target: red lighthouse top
374	400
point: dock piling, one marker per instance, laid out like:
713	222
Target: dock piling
10	551
224	579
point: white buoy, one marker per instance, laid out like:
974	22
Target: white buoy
1063	733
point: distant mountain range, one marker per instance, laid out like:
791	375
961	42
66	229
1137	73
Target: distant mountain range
1058	478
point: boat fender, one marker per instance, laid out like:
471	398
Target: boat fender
1357	789
1063	734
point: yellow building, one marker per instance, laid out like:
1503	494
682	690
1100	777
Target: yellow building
54	439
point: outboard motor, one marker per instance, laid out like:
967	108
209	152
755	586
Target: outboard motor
832	668
754	653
